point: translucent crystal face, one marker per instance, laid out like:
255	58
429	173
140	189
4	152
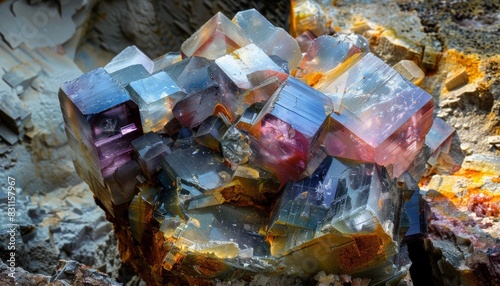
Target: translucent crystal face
243	152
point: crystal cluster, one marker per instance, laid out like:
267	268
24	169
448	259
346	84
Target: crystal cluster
255	151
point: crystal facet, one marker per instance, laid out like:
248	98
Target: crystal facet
156	95
216	38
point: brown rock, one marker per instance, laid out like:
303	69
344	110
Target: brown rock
457	79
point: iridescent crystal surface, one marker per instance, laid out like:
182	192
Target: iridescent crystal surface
379	115
242	151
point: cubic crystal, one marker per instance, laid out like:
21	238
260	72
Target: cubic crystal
156	95
380	116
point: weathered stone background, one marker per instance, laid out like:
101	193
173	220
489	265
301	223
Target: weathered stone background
54	41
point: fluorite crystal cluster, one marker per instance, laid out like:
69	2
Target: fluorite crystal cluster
253	152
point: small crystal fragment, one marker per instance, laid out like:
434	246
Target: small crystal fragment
410	70
439	139
211	132
151	149
129	74
128	57
195	108
235	146
197	166
123	182
259	94
307	15
303	204
457	79
166	60
137	213
327	52
191	74
439	136
415	209
305	40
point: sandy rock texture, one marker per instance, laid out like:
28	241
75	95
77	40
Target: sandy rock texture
464	224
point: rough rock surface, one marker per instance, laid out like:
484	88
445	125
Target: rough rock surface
469	26
157	27
40	163
66	273
464	223
55	213
63	224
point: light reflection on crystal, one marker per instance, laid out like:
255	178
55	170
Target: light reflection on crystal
156	95
327	52
272	40
217	37
244	61
128	57
382	117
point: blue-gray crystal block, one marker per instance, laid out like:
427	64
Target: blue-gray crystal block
151	148
365	199
299	105
210	132
303	204
197	166
156	95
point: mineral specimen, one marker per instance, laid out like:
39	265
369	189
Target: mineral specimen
247	157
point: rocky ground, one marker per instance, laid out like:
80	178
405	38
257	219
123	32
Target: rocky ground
45	43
